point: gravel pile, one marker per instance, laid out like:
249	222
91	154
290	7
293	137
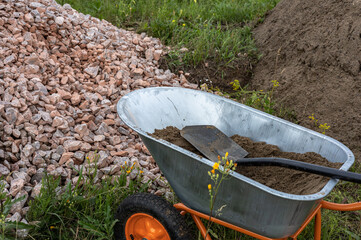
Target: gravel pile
61	75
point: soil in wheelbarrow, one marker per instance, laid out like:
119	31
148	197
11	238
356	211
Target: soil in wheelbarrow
281	179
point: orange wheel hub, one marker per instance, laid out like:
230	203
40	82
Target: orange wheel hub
143	226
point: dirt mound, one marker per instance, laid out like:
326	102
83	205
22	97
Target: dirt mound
314	51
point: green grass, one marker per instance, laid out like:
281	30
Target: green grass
85	211
214	31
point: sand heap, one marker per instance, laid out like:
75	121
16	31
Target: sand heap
314	50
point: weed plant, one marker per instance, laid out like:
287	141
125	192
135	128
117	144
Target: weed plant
83	211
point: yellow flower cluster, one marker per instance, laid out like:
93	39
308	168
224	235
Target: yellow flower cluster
128	169
323	127
275	83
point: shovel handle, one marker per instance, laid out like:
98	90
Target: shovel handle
302	166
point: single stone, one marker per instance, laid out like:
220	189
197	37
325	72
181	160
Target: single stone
11	115
36	5
115	169
39	86
32	69
16	185
46	117
115	140
58	121
157	54
65	157
86	147
14	148
79	156
8	129
4	171
103	128
92	71
75	99
72	145
16	133
59	20
64	94
31	129
16	103
38	160
55	156
29	18
81	129
99	138
9	59
149	54
28	150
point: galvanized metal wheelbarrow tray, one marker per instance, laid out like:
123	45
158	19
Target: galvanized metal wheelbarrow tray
249	204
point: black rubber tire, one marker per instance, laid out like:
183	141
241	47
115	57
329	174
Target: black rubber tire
164	212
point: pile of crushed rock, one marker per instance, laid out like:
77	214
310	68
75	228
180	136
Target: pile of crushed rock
61	76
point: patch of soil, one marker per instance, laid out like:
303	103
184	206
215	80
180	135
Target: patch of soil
216	74
314	51
282	179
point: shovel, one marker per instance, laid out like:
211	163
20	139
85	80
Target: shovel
211	142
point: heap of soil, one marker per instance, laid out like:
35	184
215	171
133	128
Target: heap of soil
314	51
282	179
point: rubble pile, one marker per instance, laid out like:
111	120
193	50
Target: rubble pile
61	75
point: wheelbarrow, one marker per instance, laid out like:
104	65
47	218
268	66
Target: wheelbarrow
251	208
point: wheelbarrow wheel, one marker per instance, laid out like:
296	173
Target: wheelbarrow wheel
144	216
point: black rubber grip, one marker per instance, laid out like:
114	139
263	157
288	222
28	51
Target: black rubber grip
302	166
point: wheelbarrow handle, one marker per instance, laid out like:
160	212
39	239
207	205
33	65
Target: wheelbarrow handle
301	166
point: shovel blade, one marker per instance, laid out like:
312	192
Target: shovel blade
212	142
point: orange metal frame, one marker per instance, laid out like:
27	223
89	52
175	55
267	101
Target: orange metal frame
315	214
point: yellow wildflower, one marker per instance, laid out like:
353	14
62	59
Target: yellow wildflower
128	171
209	186
140	171
52	227
216	166
226	154
227	163
184	25
275	83
212	171
219	158
173	21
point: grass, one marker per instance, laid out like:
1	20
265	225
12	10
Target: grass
83	211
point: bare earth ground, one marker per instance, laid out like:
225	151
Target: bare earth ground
314	51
